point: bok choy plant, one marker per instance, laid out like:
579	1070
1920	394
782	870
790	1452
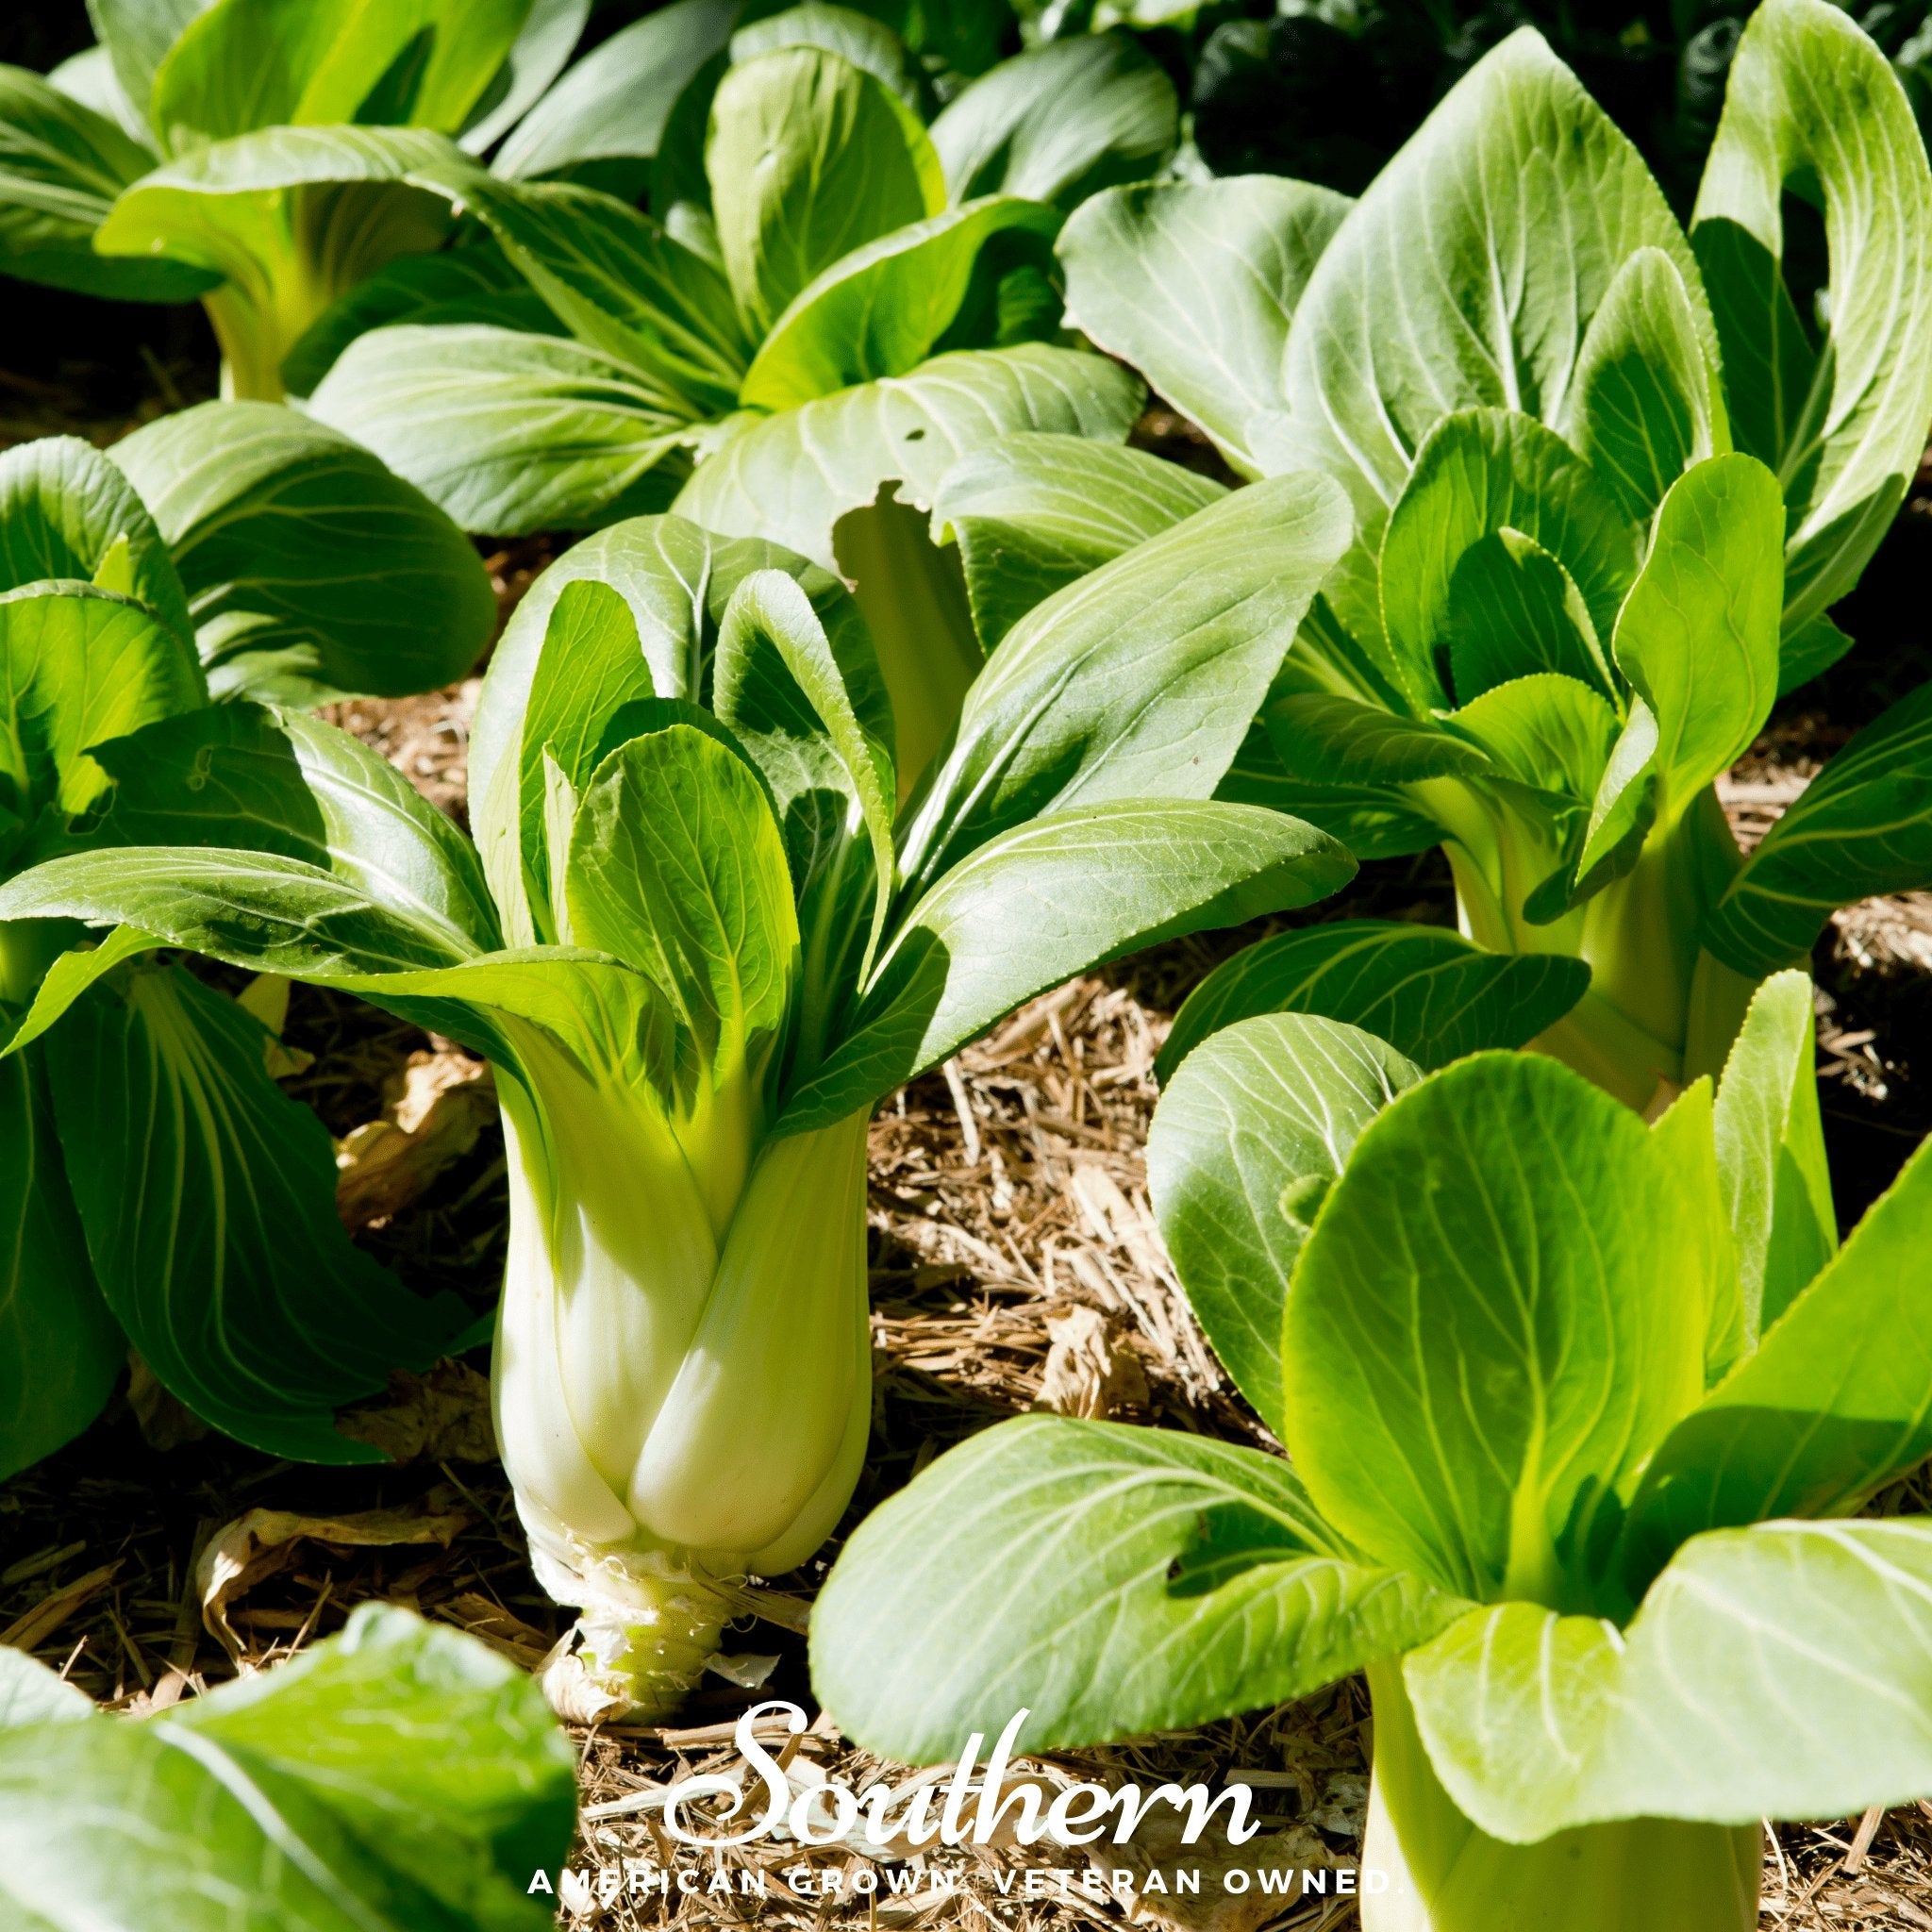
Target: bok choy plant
1581	1415
704	950
161	1190
841	301
1608	481
392	1778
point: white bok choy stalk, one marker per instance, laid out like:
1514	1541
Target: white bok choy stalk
1613	1613
702	955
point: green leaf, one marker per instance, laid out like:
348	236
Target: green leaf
1814	647
30	1693
1049	898
1108	1580
676	867
247	64
477	283
1426	990
293	542
397	1776
78	665
871	44
1329	741
1830	1407
623	286
236	776
506	432
1859	829
791	477
615	101
1479	472
1450	250
1771	1152
61	165
1196	283
880	310
59	1349
550	29
256	1310
64	507
254	910
1059	123
1646	404
1547	733
1063	716
1479	1353
1513	612
1811	102
809	158
1032	512
1752	1638
1245	1144
1698	635
781	688
137	35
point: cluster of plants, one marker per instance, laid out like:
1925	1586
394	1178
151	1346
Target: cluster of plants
886	687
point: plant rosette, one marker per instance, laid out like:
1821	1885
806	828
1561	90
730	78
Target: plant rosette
1608	479
697	948
1579	1416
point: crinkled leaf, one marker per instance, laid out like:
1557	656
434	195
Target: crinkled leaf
1245	1142
1111	1580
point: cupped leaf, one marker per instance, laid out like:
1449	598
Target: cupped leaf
61	165
1449	253
1646	404
1812	104
809	158
1773	1672
1481	472
506	432
1196	283
1245	1144
880	310
1480	1354
676	867
614	103
1059	123
1859	829
78	666
1547	733
1140	679
298	546
243	777
1108	1580
137	35
256	1310
868	42
59	1347
63	508
1830	1407
474	283
791	477
396	1776
1323	740
1698	635
1032	512
1426	990
1771	1152
1513	611
1049	898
